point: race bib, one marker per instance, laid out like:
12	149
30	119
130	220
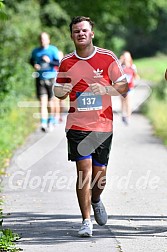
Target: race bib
87	101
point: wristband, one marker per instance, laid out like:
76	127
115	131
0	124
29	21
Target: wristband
106	88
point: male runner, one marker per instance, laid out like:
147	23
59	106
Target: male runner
44	59
90	76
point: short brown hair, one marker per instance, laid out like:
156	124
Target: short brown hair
79	19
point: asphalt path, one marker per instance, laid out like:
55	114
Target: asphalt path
40	203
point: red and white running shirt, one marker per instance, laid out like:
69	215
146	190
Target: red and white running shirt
130	73
87	111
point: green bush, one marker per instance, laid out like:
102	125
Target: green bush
161	90
156	112
7	239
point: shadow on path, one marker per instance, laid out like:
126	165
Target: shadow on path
50	229
133	226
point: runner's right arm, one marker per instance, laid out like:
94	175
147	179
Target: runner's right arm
62	92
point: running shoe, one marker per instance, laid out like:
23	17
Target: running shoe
125	120
44	127
100	213
51	126
86	228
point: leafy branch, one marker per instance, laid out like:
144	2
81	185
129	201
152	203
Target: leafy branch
3	14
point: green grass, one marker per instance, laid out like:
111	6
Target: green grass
156	112
7	237
153	69
15	126
7	241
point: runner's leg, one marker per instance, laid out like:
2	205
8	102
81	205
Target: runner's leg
98	182
56	109
83	186
51	108
43	106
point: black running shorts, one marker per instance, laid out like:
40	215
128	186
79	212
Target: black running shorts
44	87
89	143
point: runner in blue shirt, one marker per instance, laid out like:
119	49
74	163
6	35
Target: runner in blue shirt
44	59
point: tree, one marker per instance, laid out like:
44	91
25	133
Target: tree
3	15
55	20
129	25
16	41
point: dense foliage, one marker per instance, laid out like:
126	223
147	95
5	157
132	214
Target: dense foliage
136	25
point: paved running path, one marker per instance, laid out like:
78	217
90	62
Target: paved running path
41	205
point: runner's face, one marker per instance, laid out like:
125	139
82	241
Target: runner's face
44	40
82	34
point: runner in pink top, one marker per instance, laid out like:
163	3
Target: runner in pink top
130	71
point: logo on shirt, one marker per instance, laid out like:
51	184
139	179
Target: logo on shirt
98	73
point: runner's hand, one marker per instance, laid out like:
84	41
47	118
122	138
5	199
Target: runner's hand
46	59
98	89
67	88
37	67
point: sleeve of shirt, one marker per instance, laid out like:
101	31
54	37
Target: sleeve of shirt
55	61
116	72
62	77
